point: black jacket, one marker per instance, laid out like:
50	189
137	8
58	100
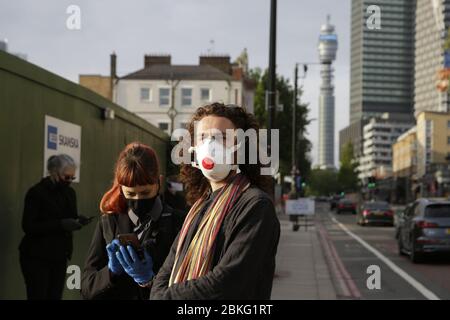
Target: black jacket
96	282
45	205
244	261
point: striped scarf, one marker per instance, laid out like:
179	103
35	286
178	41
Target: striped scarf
199	255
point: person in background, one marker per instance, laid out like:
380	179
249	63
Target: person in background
49	218
132	206
173	196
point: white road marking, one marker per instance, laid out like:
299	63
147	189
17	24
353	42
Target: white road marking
413	282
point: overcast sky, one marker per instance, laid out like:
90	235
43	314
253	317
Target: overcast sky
182	28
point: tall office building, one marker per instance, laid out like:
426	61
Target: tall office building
382	63
328	45
432	19
382	60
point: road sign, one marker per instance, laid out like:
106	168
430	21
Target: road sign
301	206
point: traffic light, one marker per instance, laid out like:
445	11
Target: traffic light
372	183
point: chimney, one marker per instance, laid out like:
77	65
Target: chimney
113	66
220	62
151	60
238	73
4	45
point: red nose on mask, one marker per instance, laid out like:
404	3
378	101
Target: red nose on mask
207	163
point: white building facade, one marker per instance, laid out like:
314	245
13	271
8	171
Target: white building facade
167	95
378	137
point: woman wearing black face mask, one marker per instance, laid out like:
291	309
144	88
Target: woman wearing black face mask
132	206
49	218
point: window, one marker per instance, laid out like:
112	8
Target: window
438	211
448	140
205	94
183	125
164	96
164	126
448	124
145	94
186	97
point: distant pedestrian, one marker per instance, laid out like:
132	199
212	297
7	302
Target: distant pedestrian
173	196
49	218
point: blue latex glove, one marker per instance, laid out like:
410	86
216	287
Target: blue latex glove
113	264
140	270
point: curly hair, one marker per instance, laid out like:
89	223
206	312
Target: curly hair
192	178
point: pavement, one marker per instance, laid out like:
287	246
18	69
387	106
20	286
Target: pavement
302	271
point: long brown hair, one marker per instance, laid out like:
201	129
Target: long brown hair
195	183
137	166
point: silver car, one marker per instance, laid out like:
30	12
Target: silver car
424	228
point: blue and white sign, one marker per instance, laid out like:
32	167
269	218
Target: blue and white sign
301	206
62	137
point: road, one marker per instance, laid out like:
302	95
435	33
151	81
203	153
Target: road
351	249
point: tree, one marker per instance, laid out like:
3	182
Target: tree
348	174
283	122
322	183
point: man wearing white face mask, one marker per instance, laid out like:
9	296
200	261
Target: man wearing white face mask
226	248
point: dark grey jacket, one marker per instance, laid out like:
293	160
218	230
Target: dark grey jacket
45	205
244	260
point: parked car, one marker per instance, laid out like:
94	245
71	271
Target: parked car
424	229
375	212
321	199
334	201
345	205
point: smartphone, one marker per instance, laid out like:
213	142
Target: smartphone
85	220
131	239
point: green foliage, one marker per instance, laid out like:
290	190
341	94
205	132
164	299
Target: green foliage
322	183
348	175
283	122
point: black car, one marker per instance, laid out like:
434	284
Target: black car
424	228
345	205
322	199
375	212
334	201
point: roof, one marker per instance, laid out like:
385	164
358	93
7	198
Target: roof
179	72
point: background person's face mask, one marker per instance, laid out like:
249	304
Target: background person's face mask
213	159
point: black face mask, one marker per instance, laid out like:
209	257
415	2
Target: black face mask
141	207
63	183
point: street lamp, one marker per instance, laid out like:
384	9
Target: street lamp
294	118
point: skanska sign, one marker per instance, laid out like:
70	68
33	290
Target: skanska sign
62	137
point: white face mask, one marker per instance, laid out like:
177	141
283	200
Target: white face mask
213	159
